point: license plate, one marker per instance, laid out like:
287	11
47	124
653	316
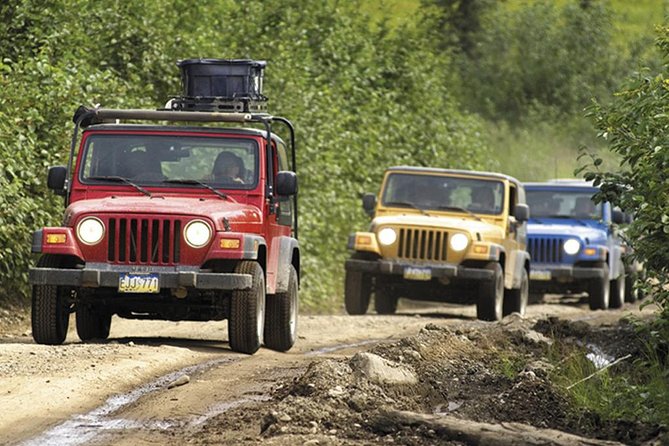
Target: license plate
414	273
138	283
540	275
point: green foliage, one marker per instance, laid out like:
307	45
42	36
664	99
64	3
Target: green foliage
538	56
361	98
636	389
635	126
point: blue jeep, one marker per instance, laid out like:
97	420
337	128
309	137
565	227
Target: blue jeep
573	243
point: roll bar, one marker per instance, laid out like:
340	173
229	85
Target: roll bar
85	117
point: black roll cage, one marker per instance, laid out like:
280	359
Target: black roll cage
85	117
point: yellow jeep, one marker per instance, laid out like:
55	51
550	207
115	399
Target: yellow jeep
442	235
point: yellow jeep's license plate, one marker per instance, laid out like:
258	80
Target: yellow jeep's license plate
540	275
138	283
415	273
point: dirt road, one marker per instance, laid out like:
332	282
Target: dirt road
161	382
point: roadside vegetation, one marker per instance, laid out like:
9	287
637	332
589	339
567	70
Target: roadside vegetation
476	85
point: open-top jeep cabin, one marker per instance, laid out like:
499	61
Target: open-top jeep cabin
442	235
186	221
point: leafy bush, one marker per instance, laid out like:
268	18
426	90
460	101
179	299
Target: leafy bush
538	55
361	97
635	126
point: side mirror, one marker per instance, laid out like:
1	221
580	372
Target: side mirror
369	204
56	179
522	212
286	183
617	216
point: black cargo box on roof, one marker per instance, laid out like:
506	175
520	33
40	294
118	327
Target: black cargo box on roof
224	78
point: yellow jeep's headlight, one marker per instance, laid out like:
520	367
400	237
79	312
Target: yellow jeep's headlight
90	230
197	233
387	236
459	242
571	246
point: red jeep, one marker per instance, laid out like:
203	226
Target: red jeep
176	222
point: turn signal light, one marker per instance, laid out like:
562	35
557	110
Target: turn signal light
590	251
54	239
230	243
481	249
363	240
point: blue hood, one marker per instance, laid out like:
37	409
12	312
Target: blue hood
589	231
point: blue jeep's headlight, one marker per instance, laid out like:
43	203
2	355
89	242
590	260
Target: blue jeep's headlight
571	246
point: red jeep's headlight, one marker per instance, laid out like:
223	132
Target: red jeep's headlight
90	230
197	233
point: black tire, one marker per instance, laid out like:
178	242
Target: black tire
617	292
357	291
491	295
247	311
385	301
536	298
281	316
632	292
598	292
50	313
92	324
515	301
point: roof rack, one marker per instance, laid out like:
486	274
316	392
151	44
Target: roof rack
221	85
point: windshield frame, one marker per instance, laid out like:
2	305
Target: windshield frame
250	140
443	207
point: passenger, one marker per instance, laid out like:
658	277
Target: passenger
483	199
584	208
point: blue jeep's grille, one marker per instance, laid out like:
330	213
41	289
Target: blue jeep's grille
545	249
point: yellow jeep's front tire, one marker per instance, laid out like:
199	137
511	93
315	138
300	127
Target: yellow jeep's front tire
491	295
385	300
357	291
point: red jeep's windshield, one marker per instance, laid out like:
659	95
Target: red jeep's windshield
440	192
159	160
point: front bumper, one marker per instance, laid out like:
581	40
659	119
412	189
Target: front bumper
95	276
387	267
564	273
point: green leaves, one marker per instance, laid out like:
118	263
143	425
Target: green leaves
635	125
362	98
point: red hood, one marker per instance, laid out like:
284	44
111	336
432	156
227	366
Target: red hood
213	208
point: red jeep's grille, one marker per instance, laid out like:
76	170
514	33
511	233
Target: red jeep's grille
421	244
144	240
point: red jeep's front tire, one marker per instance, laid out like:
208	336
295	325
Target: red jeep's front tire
92	323
247	311
50	314
281	316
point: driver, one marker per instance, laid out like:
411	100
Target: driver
228	168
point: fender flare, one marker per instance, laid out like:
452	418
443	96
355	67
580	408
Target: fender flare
521	258
288	248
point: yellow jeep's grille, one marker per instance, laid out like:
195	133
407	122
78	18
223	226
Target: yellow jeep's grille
422	244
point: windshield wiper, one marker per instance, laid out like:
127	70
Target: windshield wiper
121	180
406	204
459	209
200	183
